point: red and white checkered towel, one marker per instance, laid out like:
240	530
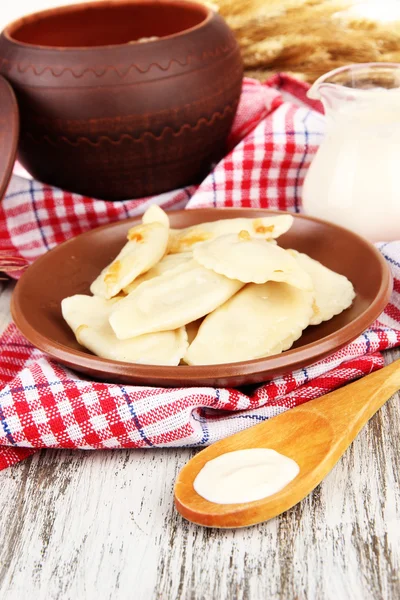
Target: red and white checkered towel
42	404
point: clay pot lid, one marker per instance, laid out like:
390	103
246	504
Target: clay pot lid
9	131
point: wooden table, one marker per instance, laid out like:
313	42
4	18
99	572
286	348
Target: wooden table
101	525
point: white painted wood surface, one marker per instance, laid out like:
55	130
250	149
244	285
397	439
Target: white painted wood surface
102	526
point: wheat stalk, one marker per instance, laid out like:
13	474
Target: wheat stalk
306	37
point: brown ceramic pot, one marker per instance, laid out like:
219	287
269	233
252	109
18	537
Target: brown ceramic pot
105	115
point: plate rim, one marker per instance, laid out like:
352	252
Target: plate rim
305	355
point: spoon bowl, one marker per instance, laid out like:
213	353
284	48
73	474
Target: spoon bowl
315	435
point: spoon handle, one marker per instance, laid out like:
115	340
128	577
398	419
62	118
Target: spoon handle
348	409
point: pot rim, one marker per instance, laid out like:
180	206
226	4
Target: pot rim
82	7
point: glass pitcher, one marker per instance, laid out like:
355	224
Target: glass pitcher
354	179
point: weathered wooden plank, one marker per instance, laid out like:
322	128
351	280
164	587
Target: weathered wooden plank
102	525
6	289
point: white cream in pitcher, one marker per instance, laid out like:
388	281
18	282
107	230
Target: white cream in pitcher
354	178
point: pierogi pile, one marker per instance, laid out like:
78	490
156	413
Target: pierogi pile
213	293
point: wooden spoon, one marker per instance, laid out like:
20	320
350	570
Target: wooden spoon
315	435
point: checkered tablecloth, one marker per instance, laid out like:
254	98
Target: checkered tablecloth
44	405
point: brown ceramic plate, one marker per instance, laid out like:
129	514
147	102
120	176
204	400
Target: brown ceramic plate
71	267
9	131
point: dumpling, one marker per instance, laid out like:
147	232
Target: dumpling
146	246
89	310
171	300
162	348
239	256
88	318
260	320
192	329
183	240
170	261
333	292
155	214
